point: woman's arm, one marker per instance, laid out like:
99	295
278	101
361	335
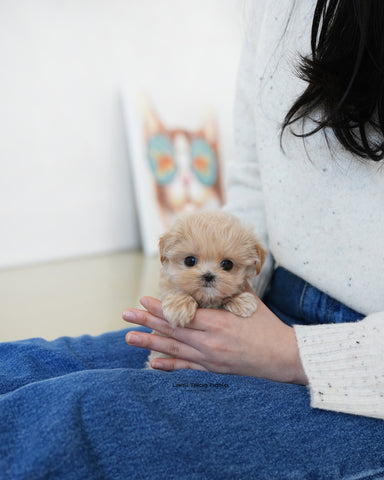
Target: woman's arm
344	364
244	193
218	341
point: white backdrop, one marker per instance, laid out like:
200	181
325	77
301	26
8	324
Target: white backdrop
65	186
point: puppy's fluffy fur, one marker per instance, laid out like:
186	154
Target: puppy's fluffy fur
207	259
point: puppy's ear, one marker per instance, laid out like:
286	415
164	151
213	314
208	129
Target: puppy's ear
164	244
260	257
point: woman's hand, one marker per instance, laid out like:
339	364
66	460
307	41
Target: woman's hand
218	341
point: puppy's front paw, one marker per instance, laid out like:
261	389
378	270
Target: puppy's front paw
244	304
179	310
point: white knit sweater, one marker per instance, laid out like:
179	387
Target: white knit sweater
319	211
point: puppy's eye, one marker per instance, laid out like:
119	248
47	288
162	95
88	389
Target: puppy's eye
226	265
190	261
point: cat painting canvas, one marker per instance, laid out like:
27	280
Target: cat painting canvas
175	170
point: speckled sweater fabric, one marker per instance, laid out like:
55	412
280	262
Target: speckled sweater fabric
318	210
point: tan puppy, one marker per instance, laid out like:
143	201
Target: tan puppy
207	259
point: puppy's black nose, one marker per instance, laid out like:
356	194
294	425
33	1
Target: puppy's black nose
208	277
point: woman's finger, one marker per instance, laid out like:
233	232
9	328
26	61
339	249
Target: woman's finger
170	364
188	336
146	319
159	343
153	305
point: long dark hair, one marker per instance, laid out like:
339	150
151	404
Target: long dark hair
345	75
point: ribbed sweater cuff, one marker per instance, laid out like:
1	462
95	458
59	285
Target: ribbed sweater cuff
344	364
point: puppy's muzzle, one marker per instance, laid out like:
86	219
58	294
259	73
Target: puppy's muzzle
208	279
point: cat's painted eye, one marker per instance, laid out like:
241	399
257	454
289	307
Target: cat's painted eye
226	265
190	261
203	162
161	157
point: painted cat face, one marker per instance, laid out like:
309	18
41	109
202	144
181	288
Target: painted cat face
184	166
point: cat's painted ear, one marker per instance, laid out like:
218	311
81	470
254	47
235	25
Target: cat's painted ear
151	120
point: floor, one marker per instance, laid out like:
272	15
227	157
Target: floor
74	297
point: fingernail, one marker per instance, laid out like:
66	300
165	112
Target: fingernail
144	302
133	339
155	364
129	316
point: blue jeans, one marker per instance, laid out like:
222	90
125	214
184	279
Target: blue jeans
83	408
295	301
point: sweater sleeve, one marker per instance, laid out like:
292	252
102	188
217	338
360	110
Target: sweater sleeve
244	189
344	364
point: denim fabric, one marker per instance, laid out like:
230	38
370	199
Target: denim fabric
83	408
295	301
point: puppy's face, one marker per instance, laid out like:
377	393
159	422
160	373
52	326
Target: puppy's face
210	255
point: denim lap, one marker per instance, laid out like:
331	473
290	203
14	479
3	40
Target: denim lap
84	408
